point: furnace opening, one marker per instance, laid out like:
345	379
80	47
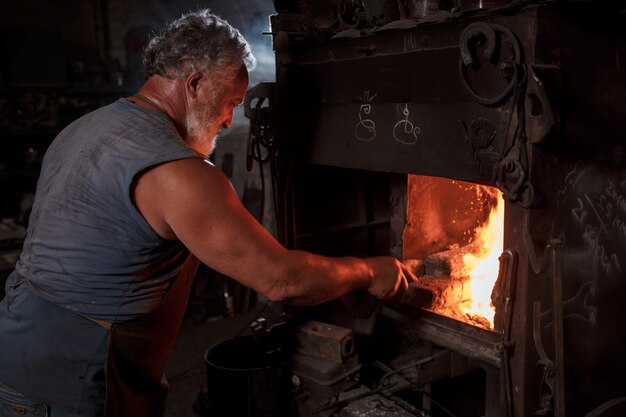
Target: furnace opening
454	231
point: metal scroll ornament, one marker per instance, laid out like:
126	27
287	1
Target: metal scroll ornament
351	13
498	46
491	39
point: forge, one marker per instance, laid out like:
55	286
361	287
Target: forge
414	137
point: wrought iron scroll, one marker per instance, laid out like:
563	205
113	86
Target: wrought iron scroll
510	174
553	388
509	70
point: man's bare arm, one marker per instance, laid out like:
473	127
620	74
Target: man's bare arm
193	201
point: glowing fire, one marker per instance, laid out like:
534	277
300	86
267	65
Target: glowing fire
483	267
468	296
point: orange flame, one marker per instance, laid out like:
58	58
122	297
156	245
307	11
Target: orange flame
468	297
483	266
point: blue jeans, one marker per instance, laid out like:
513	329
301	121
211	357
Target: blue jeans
14	404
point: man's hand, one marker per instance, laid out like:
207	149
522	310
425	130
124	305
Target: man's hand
390	276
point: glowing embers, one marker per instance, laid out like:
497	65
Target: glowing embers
456	229
480	271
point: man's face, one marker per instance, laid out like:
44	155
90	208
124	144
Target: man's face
215	112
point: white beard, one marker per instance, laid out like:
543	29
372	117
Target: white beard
202	129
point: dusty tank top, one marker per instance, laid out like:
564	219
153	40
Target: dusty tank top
88	254
88	249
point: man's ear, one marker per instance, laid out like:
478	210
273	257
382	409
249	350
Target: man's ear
192	83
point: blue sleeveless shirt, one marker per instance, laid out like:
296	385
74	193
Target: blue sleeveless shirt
88	253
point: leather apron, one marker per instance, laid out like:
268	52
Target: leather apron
139	350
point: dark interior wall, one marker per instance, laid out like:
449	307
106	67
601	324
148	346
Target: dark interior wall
73	18
41	39
48	42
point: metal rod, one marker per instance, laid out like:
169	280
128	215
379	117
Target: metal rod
557	310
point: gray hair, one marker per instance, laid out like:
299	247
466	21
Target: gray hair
200	41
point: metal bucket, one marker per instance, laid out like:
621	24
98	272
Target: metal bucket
247	378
